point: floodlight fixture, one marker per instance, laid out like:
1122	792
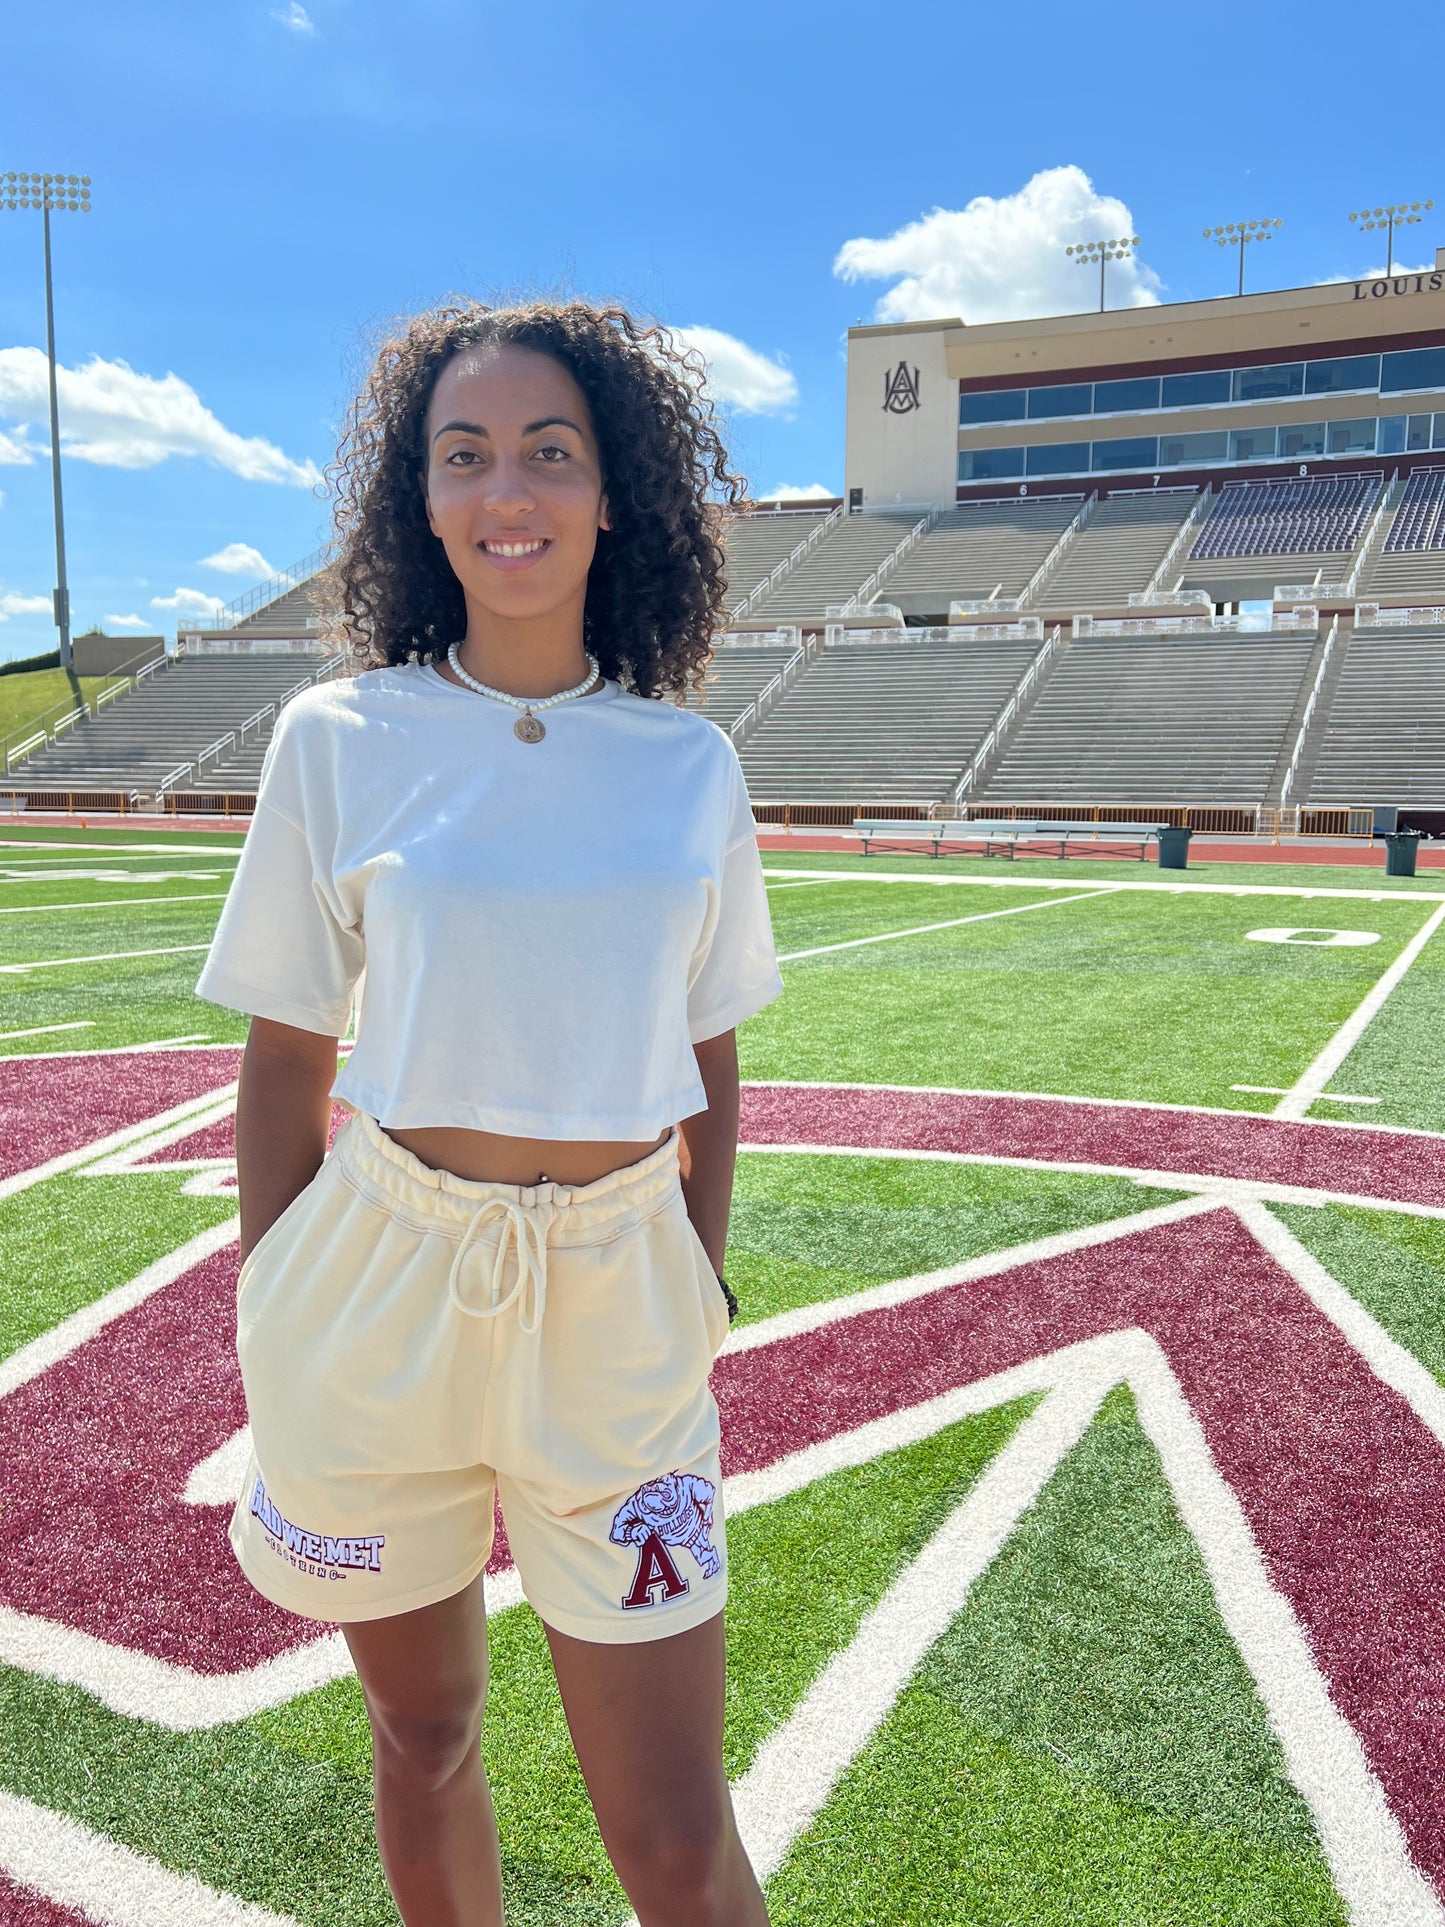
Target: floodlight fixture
1239	234
49	194
1388	218
1086	253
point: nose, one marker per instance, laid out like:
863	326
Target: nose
508	489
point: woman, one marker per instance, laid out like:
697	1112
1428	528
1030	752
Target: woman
505	1276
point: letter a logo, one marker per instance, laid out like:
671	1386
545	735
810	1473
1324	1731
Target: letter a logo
900	390
655	1568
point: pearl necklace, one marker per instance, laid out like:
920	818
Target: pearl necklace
527	726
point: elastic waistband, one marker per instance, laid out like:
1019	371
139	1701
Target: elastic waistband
394	1176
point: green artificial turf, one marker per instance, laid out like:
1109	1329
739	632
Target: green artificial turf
1084	1747
1392	1263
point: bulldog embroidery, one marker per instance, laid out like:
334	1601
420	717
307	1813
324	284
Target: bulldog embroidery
675	1510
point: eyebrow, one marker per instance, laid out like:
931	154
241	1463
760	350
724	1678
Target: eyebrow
475	428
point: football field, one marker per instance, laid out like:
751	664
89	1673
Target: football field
1084	1423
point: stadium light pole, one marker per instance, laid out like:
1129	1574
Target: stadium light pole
1402	214
1085	253
52	193
1239	234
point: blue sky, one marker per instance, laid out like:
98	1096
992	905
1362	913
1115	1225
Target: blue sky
273	181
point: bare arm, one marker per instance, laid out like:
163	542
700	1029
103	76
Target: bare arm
283	1120
708	1151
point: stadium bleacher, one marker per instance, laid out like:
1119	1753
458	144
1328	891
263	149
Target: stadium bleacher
756	544
1117	550
741	667
1382	738
1312	516
979	550
1420	517
835	569
1138	720
885	720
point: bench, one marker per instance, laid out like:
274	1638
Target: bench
939	837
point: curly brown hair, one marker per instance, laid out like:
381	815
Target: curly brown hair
656	588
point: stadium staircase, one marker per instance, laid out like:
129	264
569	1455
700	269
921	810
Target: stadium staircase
980	551
1117	551
876	720
741	668
1136	719
1410	561
835	569
169	720
758	545
1382	736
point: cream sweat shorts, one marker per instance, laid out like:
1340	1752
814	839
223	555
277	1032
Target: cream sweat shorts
413	1344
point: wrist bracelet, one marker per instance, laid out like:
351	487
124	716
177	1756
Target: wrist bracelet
728	1294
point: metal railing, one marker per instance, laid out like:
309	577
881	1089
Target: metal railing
1169	599
862	596
173	779
1051	561
740	611
743	724
191	644
1281	622
42	732
1369	615
274	587
1010	713
1188	529
1284	787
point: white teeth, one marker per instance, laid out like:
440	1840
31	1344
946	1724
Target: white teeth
512	548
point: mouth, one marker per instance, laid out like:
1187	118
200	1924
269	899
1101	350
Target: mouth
515	552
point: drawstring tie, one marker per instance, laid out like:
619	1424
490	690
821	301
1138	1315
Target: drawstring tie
530	1239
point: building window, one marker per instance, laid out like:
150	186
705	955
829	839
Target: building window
1252	444
1059	458
1137	451
1179	451
1414	369
1269	384
1440	431
989	464
1352	438
1417	433
1077	398
1339	376
1301	438
1006	405
1391	438
1196	391
1125	397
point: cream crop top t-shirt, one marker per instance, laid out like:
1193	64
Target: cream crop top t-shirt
537	933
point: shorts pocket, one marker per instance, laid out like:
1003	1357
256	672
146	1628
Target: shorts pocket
278	1224
715	1304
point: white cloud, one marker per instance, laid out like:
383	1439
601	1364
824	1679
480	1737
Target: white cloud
786	492
189	602
1369	274
738	374
237	558
1003	260
12	604
117	418
296	18
128	622
15	452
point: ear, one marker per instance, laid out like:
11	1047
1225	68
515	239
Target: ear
603	518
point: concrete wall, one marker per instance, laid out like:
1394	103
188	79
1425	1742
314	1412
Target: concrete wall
104	655
903	452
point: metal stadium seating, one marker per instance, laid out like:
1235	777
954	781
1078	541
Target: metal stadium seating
1383	737
1420	518
293	615
737	672
981	549
1176	719
756	544
136	742
874	722
1312	516
1117	550
836	567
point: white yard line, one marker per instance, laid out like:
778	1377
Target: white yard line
1056	883
107	956
922	929
106	903
1297	1101
44	1030
111	1885
122	851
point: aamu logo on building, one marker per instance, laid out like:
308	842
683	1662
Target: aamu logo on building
900	390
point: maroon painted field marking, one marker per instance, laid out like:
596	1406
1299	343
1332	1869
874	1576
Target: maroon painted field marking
1400	1166
24	1907
51	1105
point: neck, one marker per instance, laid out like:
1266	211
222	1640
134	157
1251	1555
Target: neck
533	656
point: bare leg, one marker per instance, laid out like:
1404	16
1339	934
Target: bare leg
424	1678
647	1723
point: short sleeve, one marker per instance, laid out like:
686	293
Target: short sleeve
735	968
283	947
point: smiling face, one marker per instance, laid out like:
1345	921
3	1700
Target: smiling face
513	482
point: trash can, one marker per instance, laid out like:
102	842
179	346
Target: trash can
1174	847
1401	849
